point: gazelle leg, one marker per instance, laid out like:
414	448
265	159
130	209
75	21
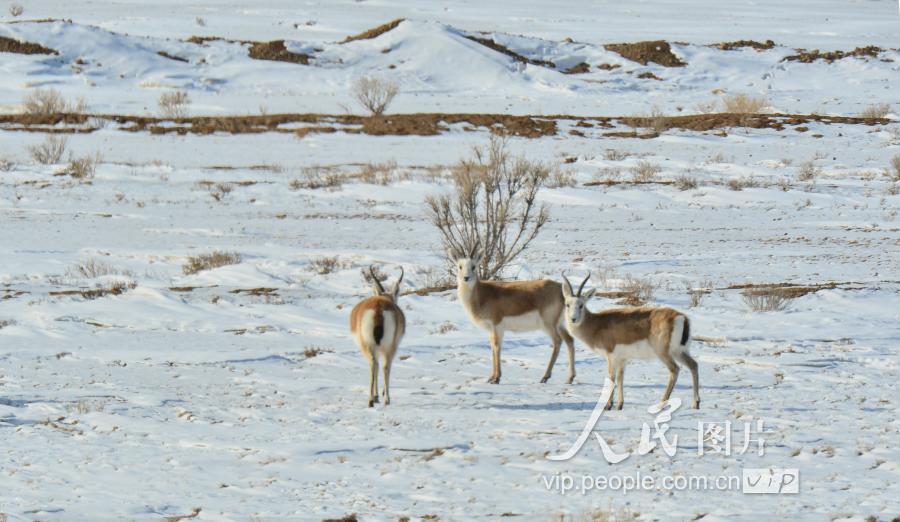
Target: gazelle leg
620	378
373	380
387	378
695	376
557	340
570	347
610	370
496	342
673	376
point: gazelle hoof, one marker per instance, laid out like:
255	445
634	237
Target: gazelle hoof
608	407
493	380
544	379
696	405
571	380
371	403
619	406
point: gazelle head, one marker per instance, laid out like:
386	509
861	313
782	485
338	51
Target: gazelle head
467	267
575	301
379	290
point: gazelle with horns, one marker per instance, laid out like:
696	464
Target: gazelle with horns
515	306
632	333
377	325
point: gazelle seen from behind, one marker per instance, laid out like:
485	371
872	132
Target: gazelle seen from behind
515	306
632	333
377	324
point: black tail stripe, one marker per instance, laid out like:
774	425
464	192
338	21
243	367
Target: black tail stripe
378	333
686	332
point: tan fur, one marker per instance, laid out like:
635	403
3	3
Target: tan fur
498	306
387	348
618	334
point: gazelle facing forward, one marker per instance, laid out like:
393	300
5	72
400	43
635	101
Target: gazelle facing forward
632	333
515	306
377	325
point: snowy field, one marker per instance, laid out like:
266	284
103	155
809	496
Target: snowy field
130	389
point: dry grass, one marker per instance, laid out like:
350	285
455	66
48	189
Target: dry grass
561	178
93	268
738	184
808	171
639	291
44	102
894	170
325	265
219	191
216	259
444	328
608	175
645	171
16	10
379	173
696	292
6	165
375	32
766	299
616	155
317	177
50	151
876	111
685	182
374	93
742	103
83	168
173	104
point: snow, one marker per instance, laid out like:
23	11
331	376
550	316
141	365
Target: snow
193	391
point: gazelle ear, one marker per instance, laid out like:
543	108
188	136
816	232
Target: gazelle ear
589	294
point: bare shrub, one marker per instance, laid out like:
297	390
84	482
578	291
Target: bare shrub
696	292
174	104
325	265
645	171
50	151
876	111
375	94
616	155
561	178
895	167
42	102
784	184
608	175
378	173
6	165
220	190
766	299
685	182
738	184
742	103
493	207
706	107
216	259
84	167
640	290
16	10
93	268
317	177
808	171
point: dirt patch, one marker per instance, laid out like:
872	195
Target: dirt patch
172	57
375	32
491	44
738	44
657	51
805	56
581	68
8	45
276	51
789	290
608	66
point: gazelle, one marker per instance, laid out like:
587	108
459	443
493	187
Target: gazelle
377	325
515	306
632	333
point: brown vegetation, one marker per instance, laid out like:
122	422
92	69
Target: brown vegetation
657	51
804	56
8	45
276	51
491	44
579	68
738	44
375	32
216	259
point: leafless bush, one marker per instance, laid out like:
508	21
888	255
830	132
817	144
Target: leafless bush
93	268
645	171
317	177
325	265
216	259
42	102
656	120
378	173
808	171
375	94
84	167
561	178
6	165
708	107
608	175
174	104
784	184
742	103
616	155
738	184
766	299
640	290
16	10
895	167
685	182
876	111
50	151
220	190
493	206
696	292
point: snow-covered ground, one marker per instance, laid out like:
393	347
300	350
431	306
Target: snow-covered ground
238	392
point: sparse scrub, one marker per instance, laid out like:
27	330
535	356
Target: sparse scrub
766	299
444	327
640	290
784	184
876	111
561	178
216	259
493	206
738	184
174	104
808	171
317	177
706	107
42	102
83	168
92	268
325	265
608	175
616	155
50	151
6	322
220	190
6	165
895	167
742	103
696	292
16	10
685	182
645	172
378	173
375	94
